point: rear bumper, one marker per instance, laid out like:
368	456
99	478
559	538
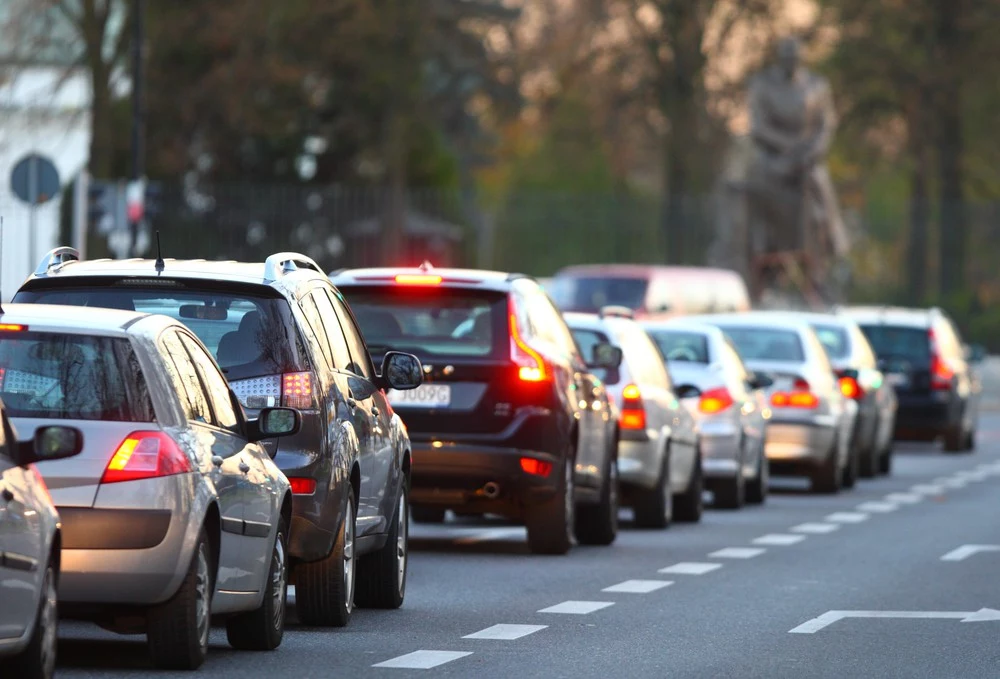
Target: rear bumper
798	443
640	462
925	417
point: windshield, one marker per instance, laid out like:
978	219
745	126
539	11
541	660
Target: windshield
767	344
571	293
675	345
430	321
249	335
895	342
72	377
834	340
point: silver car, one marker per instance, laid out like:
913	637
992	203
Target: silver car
172	512
812	421
29	549
726	401
659	462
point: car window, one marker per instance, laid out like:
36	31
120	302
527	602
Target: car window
334	331
679	345
892	342
361	362
186	381
215	385
766	344
591	293
834	339
586	340
310	310
644	360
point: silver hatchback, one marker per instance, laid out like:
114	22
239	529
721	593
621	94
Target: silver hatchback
173	512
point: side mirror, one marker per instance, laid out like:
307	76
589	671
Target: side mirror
606	356
761	381
401	371
687	391
273	423
53	442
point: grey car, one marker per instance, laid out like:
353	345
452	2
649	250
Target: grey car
30	534
173	512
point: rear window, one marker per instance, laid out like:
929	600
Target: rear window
834	339
676	345
72	377
767	344
908	343
571	293
431	321
249	335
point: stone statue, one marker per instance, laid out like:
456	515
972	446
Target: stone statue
791	203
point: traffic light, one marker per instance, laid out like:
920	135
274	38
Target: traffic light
101	206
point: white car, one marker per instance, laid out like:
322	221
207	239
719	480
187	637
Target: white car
726	401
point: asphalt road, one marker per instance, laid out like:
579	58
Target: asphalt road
719	599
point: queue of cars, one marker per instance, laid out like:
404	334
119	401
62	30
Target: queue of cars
205	434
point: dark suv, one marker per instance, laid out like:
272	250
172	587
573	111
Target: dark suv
283	335
923	357
507	421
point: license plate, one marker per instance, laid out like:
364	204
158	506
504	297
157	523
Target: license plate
424	396
897	379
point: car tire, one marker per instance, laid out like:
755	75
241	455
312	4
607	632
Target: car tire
382	574
264	628
969	444
885	460
756	490
849	475
654	508
688	506
827	478
427	514
954	438
177	630
869	466
550	524
324	589
38	659
598	524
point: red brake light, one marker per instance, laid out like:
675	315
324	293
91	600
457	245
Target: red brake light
715	401
850	388
302	486
531	365
296	390
799	397
418	279
941	372
146	455
633	413
535	467
12	327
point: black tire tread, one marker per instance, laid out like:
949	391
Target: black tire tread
319	587
170	632
377	583
252	631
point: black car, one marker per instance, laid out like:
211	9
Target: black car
505	422
284	336
922	355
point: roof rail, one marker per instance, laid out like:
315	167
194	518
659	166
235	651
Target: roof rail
281	263
518	276
57	257
615	311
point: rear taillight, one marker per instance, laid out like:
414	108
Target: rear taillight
297	390
146	455
633	412
942	373
291	390
301	486
850	388
530	465
530	364
799	396
715	401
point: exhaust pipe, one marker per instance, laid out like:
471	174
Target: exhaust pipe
491	490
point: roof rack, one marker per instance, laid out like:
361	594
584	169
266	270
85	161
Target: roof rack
57	257
615	311
281	263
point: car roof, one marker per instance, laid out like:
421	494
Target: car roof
585	321
498	281
891	314
772	319
683	324
75	319
642	270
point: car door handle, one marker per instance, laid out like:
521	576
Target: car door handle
244	467
7	495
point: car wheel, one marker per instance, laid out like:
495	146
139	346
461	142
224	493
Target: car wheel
654	508
427	514
954	438
885	461
688	505
868	469
550	524
970	441
264	628
382	574
598	524
38	659
849	475
324	589
177	631
827	478
756	490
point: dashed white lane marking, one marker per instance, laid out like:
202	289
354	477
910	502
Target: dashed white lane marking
976	476
928	488
423	660
737	553
638	586
778	539
847	517
577	607
492	534
505	632
904	498
965	551
956	483
815	528
690	568
878	507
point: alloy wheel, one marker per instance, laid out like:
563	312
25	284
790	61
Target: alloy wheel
203	596
279	581
349	563
402	539
48	620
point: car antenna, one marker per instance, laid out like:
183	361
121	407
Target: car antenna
159	255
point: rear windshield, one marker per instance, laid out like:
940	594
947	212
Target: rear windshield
250	335
676	345
834	339
767	344
571	293
431	321
72	377
908	343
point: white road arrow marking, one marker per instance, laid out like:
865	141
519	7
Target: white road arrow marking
830	617
965	551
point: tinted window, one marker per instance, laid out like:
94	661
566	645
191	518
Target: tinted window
249	334
214	384
72	377
361	361
586	340
767	344
185	379
834	339
334	332
590	294
681	346
899	342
